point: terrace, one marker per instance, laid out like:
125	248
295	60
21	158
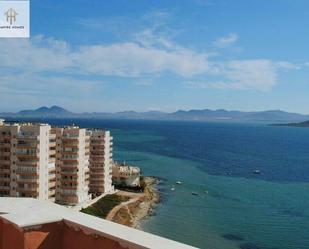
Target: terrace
33	224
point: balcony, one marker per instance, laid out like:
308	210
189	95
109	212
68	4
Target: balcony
5	153
29	190
51	184
34	163
5	144
28	180
66	151
27	145
96	184
97	156
51	176
5	162
5	188
70	139
5	171
70	147
28	136
70	164
5	136
52	136
52	152
96	160
33	156
27	170
93	151
69	173
70	157
97	143
5	179
69	180
68	191
53	226
97	173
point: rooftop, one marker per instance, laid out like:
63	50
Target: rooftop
31	217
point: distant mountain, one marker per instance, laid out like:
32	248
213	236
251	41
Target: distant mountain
272	116
277	115
42	112
206	114
190	115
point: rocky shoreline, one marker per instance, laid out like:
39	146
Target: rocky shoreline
139	205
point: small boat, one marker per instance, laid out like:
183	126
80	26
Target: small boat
257	172
206	192
194	193
179	182
172	189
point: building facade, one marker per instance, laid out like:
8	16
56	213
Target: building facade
27	161
47	163
73	165
126	176
100	162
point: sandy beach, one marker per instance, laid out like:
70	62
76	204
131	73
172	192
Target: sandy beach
138	207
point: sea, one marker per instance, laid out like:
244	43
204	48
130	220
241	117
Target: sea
251	180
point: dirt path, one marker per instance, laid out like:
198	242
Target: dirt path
115	210
139	206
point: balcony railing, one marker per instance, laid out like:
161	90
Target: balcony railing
27	170
28	180
5	187
28	136
21	144
5	135
5	179
5	144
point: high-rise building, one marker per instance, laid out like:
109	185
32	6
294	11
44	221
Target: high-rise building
73	166
100	162
27	165
54	164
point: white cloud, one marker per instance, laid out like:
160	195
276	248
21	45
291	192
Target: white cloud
41	62
251	74
258	75
226	41
288	65
132	60
128	59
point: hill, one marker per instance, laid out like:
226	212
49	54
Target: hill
190	115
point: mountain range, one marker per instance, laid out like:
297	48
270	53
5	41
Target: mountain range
194	115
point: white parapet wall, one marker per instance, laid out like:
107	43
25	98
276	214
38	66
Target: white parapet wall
27	214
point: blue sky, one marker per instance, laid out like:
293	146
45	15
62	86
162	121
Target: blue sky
165	55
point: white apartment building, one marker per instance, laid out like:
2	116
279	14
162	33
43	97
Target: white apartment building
54	164
27	161
73	166
100	162
126	176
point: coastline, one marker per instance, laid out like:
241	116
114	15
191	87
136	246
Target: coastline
138	207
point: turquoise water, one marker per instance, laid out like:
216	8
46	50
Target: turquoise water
261	213
235	208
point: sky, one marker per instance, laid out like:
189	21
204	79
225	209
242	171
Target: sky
163	55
